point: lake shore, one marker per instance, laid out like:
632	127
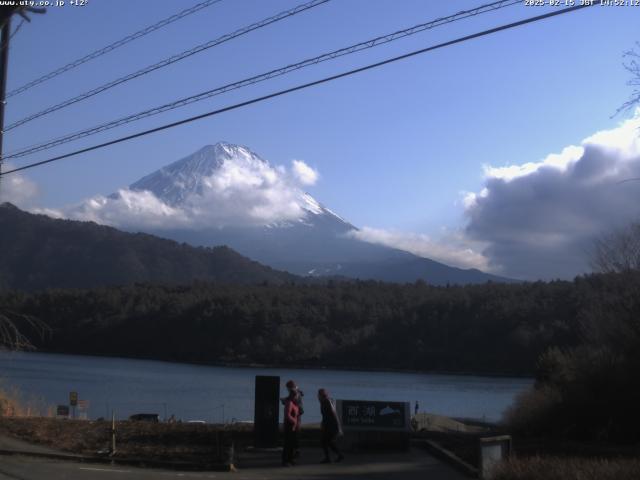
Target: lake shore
214	393
344	368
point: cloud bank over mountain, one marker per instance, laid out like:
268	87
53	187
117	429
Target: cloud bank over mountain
538	220
241	189
454	249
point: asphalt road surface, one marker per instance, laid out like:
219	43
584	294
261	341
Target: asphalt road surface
414	465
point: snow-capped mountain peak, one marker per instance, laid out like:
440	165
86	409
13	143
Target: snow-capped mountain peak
178	180
213	177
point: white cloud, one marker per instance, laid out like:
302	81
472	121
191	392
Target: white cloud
539	219
125	208
17	189
560	161
243	191
453	250
304	173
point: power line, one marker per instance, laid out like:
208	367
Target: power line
371	43
113	46
171	60
305	85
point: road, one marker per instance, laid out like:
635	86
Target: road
413	465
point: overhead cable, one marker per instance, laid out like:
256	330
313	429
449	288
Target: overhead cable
112	46
169	61
371	43
303	86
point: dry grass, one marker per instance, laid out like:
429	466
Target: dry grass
178	441
439	423
14	404
556	468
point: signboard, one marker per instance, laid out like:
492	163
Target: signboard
73	398
371	415
83	407
62	411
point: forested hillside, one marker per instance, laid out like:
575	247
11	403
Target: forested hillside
39	252
493	328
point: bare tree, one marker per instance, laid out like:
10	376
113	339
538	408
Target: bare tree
13	327
632	65
618	251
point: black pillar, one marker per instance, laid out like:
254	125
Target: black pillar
267	411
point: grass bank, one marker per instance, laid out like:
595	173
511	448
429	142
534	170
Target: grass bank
183	442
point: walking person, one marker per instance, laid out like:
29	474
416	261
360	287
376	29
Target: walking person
291	425
298	399
330	426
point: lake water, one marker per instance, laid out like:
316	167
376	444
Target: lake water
213	394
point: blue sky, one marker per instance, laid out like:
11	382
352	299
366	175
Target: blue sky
395	148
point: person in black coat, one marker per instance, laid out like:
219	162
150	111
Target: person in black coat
330	426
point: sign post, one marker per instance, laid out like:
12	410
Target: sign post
62	411
73	401
113	433
83	409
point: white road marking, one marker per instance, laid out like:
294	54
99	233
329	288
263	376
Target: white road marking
104	470
170	474
196	475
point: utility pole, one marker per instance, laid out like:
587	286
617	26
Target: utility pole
7	12
4	64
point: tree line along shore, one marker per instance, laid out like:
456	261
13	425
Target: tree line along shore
490	328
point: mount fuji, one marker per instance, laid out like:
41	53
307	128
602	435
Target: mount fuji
307	239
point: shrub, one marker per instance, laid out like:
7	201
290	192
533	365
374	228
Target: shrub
534	411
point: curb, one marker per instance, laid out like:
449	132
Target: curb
448	456
136	462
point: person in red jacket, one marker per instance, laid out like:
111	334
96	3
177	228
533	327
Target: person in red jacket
291	425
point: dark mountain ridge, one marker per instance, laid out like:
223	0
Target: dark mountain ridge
40	252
